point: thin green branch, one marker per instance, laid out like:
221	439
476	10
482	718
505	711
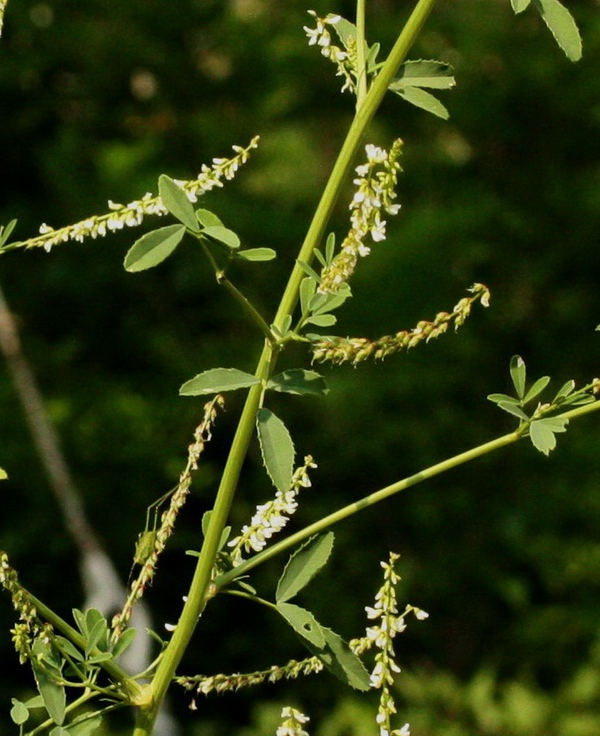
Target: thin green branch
361	58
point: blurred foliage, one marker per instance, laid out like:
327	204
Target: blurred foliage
99	98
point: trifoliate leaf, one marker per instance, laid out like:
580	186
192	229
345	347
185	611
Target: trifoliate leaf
153	247
216	380
518	374
303	622
562	26
222	235
277	449
424	100
175	200
299	381
303	565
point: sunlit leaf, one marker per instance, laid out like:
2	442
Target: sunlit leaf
19	712
3	474
520	5
303	565
513	409
308	286
337	656
217	379
542	432
504	398
222	235
424	73
322	320
564	391
153	247
536	389
52	694
175	200
562	26
257	254
207	218
277	449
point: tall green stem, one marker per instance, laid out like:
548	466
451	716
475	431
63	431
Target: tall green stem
197	595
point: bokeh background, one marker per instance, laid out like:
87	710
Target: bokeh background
98	98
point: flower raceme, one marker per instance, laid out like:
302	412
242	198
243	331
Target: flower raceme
132	214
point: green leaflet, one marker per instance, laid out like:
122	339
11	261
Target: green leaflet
424	73
217	379
520	5
257	254
424	100
19	712
175	200
341	661
303	565
542	433
562	26
299	381
53	695
277	449
222	235
518	374
153	247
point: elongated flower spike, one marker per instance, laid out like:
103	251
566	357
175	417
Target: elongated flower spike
375	193
357	349
131	215
345	60
382	634
271	517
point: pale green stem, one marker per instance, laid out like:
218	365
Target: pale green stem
382	494
197	595
361	59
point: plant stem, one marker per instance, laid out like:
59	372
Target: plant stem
383	493
197	596
361	59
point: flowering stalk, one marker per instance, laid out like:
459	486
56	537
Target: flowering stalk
357	349
293	723
132	214
382	634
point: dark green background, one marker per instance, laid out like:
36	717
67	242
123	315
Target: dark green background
505	553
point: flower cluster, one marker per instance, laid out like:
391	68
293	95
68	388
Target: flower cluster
202	435
293	723
375	191
29	626
345	60
271	517
132	214
204	684
357	349
382	635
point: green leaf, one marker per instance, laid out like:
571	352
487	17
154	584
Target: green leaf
308	286
536	389
519	5
564	391
68	648
542	432
6	231
322	303
513	409
562	26
299	381
518	374
277	449
86	726
424	100
504	398
309	271
424	73
344	29
339	659
19	712
217	379
153	247
97	638
207	218
175	200
303	565
322	320
3	474
258	254
222	235
124	642
330	247
52	694
303	622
